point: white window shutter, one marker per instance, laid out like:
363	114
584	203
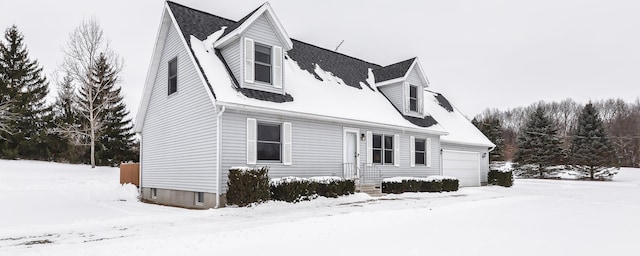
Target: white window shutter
396	150
286	152
421	102
249	72
251	141
412	147
277	66
428	152
406	97
369	148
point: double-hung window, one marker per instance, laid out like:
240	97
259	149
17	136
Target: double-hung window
173	76
413	98
382	149
263	63
269	142
420	152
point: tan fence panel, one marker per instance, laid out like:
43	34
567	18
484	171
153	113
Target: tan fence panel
130	173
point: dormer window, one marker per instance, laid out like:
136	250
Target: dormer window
413	98
263	63
262	66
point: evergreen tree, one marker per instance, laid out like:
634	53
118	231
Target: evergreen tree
68	148
116	138
538	144
492	128
591	151
25	88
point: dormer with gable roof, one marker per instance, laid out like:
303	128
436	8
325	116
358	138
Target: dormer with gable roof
403	84
254	49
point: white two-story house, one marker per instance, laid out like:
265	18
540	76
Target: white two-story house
222	93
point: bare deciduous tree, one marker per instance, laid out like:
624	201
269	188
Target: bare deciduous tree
6	116
86	44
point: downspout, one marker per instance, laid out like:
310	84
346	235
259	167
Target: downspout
140	169
219	155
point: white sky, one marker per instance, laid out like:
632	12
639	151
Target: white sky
491	53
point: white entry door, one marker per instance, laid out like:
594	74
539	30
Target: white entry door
463	165
350	154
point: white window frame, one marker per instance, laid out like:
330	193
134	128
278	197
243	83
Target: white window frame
169	77
256	62
415	150
417	98
383	149
258	123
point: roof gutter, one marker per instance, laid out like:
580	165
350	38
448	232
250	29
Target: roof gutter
327	118
219	155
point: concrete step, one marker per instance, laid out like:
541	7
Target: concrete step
371	190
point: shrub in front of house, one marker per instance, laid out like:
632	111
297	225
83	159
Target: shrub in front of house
328	186
500	178
295	189
247	186
398	185
292	189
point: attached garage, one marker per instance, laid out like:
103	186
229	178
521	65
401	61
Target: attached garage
464	165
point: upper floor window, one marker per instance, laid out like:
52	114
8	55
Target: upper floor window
413	98
382	149
263	63
173	76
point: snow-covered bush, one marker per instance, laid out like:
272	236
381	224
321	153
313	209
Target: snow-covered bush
247	186
398	185
294	189
500	178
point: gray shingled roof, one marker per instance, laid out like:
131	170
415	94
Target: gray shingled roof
351	70
393	71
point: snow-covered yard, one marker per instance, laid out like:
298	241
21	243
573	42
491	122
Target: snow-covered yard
58	209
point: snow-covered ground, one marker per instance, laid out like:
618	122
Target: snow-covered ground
58	209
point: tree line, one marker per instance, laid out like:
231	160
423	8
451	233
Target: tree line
86	123
596	135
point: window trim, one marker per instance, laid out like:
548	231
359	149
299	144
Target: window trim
169	76
281	142
269	65
416	151
416	98
382	149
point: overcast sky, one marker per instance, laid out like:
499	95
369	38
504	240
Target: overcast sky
480	54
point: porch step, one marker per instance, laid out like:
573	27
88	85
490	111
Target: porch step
371	190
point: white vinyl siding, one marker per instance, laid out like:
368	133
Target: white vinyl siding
394	93
412	149
317	147
183	157
263	32
231	55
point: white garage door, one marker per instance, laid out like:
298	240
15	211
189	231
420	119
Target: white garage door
463	165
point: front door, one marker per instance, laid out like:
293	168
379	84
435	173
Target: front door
351	154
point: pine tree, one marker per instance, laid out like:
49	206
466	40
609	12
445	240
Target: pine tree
115	140
492	128
25	88
591	150
538	143
68	148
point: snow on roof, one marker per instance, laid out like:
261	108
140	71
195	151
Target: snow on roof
328	97
460	129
